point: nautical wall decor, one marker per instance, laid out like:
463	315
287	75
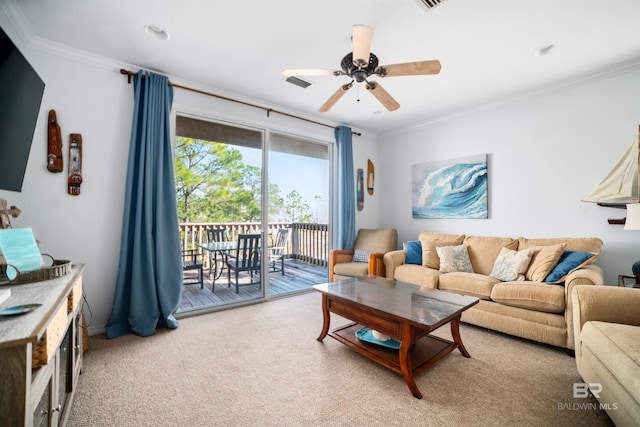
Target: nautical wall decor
454	188
370	177
54	144
360	189
75	164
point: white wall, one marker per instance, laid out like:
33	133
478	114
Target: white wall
545	152
91	98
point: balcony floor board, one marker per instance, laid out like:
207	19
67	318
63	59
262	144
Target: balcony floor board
299	276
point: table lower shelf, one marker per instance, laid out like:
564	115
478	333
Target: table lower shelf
425	352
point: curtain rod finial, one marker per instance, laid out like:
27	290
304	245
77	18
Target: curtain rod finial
127	73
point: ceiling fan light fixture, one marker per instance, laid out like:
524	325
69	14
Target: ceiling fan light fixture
156	32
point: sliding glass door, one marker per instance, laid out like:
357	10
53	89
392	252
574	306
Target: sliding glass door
227	187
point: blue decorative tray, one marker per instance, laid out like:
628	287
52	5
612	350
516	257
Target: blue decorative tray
364	334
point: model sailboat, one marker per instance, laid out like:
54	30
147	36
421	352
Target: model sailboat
620	186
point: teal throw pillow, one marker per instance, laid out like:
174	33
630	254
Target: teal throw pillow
569	261
414	252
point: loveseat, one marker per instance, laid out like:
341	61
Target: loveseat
529	298
607	336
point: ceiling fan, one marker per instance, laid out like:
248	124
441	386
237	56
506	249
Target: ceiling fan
361	64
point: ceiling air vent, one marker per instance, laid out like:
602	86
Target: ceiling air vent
431	3
298	82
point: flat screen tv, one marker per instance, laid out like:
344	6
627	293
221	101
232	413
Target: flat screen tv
21	92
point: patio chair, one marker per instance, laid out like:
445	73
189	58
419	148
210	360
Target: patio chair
366	256
245	259
217	235
192	261
278	251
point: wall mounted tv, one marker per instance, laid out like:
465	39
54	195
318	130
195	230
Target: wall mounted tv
21	92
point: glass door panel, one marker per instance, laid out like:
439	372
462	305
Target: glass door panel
298	203
218	173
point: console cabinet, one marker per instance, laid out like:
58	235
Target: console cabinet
41	352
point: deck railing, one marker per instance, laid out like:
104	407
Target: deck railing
308	242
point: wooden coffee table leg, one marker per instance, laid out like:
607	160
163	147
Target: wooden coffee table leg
326	318
455	333
408	335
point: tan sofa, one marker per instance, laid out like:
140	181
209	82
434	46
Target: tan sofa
531	309
607	335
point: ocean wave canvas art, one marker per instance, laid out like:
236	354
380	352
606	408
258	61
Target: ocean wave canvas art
454	188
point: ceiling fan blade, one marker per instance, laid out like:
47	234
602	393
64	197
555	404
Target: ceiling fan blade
383	96
361	37
410	69
309	72
335	97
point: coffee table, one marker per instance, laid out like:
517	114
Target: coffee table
405	312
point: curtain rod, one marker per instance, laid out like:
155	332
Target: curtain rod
131	74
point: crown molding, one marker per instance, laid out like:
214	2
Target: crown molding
553	87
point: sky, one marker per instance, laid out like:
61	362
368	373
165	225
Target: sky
309	176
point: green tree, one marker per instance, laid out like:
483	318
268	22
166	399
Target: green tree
207	175
296	208
213	184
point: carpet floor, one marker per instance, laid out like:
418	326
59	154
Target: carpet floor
261	365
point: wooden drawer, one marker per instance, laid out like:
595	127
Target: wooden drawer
45	348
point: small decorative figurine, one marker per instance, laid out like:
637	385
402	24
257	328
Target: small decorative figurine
5	213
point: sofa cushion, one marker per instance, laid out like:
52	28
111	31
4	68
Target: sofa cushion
543	260
483	251
444	237
352	269
511	265
454	258
429	241
473	284
530	295
380	240
417	274
617	347
569	261
581	244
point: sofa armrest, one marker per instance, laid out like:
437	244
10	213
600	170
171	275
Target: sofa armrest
611	304
338	256
587	275
376	265
392	260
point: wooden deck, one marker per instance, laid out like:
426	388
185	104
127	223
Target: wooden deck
298	276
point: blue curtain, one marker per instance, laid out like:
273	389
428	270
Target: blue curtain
149	281
346	190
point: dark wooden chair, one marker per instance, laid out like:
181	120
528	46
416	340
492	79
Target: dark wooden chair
245	259
192	261
278	252
217	235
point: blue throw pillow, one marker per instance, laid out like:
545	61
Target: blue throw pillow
414	252
569	261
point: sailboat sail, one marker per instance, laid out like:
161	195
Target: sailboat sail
620	185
